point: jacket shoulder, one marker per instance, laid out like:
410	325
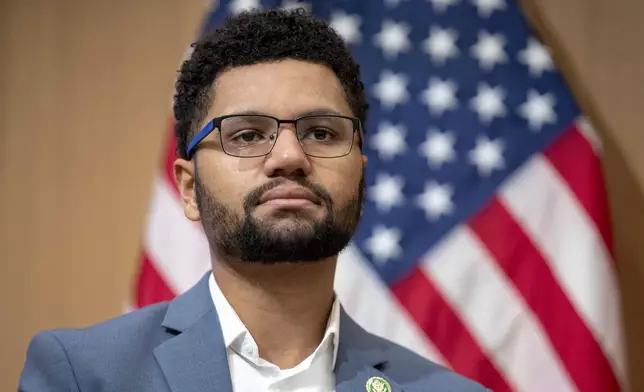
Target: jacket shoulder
121	330
69	358
420	373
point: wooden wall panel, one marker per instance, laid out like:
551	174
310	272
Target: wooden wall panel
84	96
87	94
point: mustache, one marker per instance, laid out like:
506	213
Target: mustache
254	196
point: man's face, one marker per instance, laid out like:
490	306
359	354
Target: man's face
285	206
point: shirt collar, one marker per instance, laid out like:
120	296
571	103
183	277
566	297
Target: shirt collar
231	325
237	337
333	329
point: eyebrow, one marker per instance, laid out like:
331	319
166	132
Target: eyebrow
314	112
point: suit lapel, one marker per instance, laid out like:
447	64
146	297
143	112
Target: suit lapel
360	359
194	359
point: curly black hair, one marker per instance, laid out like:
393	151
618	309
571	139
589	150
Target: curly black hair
253	37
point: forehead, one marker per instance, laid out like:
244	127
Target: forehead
284	89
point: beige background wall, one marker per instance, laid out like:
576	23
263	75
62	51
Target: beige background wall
84	96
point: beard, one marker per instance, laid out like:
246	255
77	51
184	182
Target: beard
269	241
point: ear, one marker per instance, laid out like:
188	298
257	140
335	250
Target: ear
364	167
184	176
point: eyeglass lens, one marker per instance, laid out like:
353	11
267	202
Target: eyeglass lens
254	135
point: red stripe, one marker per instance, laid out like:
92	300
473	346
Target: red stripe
524	265
150	286
574	158
444	328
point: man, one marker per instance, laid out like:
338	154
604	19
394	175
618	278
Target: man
270	113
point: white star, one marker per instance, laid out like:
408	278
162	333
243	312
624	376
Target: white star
436	200
384	243
392	3
487	155
391	90
387	192
489	50
347	26
440	95
536	57
237	6
538	110
389	141
392	39
441	5
292	4
441	44
488	102
486	7
438	148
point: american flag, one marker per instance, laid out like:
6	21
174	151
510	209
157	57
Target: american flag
485	243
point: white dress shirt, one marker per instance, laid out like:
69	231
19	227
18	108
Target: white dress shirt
249	372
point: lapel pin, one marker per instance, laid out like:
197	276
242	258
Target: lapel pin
377	384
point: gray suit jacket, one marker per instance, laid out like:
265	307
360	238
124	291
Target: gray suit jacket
178	346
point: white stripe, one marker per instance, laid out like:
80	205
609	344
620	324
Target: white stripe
494	313
370	303
177	247
588	132
542	203
128	307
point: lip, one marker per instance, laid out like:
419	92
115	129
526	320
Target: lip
289	195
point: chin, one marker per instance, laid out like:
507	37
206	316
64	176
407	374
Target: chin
291	215
289	227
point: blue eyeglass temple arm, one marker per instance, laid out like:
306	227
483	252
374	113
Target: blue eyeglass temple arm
199	137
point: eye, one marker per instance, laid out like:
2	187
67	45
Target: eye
319	134
247	137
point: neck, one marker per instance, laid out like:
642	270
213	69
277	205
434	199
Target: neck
285	306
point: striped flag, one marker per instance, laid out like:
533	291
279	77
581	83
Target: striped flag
485	243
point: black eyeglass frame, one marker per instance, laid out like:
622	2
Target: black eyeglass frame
215	123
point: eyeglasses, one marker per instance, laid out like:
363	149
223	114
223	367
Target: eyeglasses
248	136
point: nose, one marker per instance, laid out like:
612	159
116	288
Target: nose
287	158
